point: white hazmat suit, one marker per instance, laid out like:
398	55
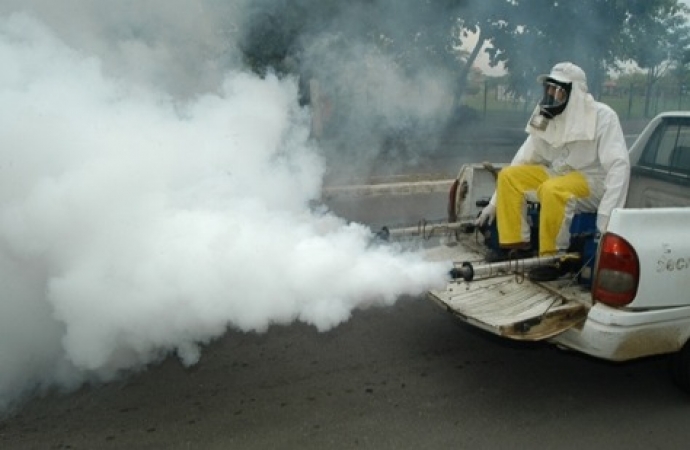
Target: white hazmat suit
578	162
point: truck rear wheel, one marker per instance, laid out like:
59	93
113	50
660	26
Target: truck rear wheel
680	368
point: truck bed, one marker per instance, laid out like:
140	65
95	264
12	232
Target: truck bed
508	303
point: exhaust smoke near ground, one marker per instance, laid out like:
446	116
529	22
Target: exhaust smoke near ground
142	215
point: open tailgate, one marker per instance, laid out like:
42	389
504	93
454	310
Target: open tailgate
512	306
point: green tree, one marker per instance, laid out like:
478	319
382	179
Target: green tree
657	42
477	22
593	33
414	33
275	28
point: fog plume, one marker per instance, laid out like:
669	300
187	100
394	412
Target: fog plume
155	193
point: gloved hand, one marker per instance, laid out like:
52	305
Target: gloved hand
602	222
487	216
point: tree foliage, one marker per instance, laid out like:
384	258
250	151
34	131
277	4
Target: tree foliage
596	34
526	36
413	32
657	42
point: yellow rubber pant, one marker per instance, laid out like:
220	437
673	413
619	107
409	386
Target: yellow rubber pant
558	196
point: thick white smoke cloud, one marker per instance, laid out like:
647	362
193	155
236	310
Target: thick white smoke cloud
133	226
177	45
384	105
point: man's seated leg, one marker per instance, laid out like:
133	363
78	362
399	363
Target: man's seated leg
512	186
559	197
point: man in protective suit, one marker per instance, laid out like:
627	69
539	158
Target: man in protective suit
574	159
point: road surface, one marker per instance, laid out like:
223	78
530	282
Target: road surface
403	377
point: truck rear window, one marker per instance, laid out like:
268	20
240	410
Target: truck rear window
669	147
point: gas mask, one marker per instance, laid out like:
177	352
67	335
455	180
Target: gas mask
553	103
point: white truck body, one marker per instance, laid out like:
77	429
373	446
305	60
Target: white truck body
568	314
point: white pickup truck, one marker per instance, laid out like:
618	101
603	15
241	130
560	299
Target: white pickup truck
631	300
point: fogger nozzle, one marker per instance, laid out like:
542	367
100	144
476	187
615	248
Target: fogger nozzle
468	271
465	271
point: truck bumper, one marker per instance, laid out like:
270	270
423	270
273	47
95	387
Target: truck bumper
620	335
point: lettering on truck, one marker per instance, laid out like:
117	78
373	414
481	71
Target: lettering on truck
668	263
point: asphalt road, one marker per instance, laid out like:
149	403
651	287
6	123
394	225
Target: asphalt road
406	376
403	377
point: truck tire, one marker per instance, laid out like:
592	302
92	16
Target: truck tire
680	368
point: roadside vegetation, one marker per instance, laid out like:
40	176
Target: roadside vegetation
377	73
626	94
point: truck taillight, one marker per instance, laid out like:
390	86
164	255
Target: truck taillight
618	272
